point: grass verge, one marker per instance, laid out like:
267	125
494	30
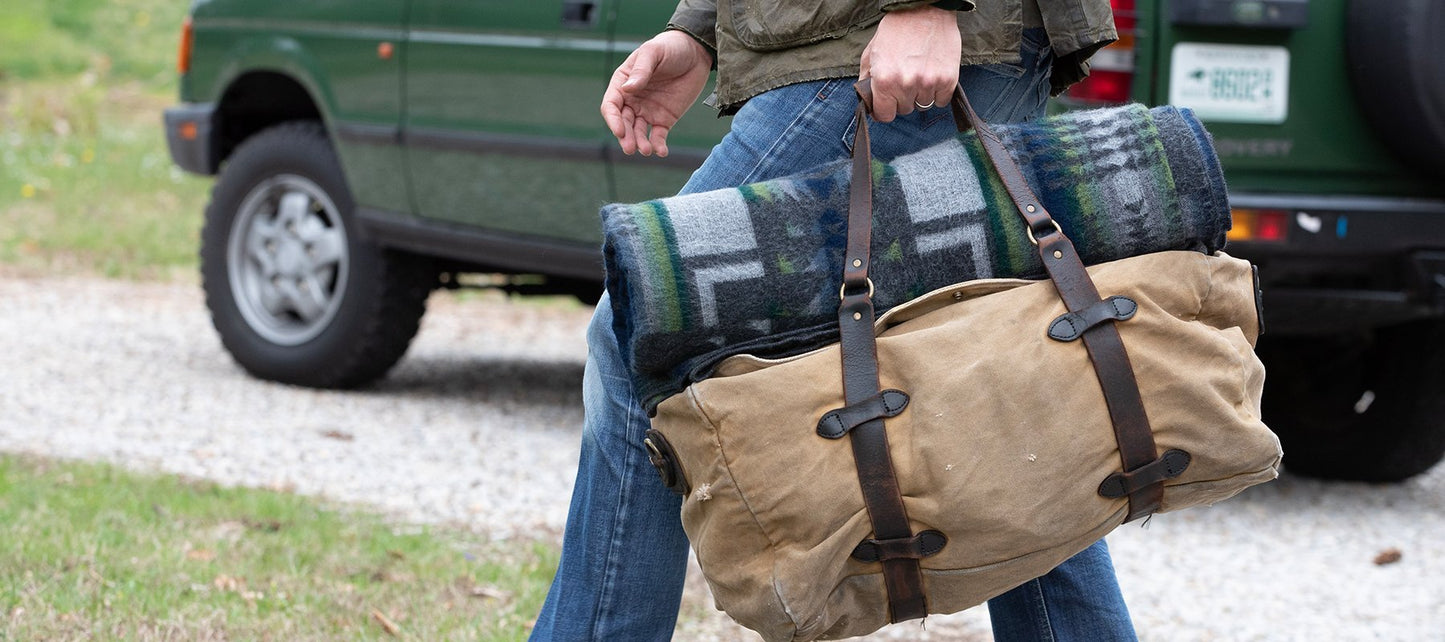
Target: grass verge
94	552
86	183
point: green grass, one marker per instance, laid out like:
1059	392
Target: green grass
129	39
86	183
92	552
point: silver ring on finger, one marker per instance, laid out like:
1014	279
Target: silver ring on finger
922	107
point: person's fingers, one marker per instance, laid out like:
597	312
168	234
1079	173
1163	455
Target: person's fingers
944	96
644	61
885	106
613	101
940	84
612	112
628	143
658	139
906	103
639	136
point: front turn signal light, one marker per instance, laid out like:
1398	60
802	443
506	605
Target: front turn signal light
183	60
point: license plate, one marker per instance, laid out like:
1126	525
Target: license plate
1231	83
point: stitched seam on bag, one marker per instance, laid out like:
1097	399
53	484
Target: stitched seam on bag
1209	292
839	430
1073	332
1115	518
1241	364
1220	480
722	454
1114	302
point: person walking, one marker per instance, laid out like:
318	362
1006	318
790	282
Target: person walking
785	72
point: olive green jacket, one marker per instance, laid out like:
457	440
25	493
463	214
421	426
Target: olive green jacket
764	44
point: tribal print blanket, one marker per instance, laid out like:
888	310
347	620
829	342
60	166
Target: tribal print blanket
757	269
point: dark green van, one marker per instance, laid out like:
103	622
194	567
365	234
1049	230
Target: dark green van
370	151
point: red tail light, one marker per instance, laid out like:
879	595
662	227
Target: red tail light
183	61
1111	70
1259	225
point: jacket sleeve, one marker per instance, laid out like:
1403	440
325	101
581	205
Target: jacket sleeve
697	18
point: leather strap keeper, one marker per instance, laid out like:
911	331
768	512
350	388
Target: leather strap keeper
1172	464
837	423
925	544
1072	325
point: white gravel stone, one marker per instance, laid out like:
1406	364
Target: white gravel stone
478	426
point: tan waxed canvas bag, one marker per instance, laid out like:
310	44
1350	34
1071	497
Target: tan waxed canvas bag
968	440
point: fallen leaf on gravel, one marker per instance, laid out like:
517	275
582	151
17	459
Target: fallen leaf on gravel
338	435
1388	556
386	624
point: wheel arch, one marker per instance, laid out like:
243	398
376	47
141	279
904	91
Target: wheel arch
256	100
267	80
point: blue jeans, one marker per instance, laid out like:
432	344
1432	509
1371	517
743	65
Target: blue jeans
624	554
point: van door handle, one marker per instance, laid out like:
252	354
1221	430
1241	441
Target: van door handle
579	13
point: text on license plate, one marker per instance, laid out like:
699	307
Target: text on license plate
1230	83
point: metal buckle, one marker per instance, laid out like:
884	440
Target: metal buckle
843	290
664	459
1030	230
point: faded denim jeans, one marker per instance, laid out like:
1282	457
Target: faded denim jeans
624	554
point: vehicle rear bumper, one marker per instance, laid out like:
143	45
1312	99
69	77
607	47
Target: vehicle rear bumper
190	134
1349	262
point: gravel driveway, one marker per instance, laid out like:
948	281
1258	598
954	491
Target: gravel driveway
478	426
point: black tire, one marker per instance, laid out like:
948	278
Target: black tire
1364	407
295	291
1397	63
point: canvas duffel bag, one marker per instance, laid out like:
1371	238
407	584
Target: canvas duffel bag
968	440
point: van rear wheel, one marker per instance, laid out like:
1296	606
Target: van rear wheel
1365	406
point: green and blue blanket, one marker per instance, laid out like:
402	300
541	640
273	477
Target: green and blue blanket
756	269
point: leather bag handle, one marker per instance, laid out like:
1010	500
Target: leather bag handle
856	315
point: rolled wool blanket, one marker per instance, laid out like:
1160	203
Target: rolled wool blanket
756	269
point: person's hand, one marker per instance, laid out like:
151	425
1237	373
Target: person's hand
912	60
652	88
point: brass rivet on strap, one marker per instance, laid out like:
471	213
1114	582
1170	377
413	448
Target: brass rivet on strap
1030	208
857	262
857	316
1058	254
957	296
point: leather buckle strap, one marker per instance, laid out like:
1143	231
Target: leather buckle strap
1077	290
877	481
